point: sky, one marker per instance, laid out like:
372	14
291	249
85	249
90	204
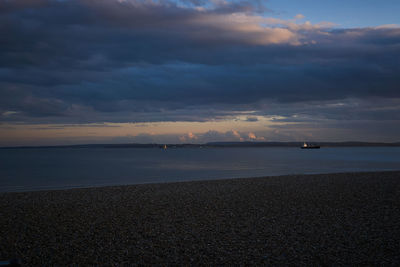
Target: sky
344	13
196	71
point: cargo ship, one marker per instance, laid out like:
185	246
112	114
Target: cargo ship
309	146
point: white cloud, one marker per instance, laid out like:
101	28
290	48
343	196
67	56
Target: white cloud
9	113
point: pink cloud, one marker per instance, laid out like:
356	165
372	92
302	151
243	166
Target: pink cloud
188	137
252	136
299	16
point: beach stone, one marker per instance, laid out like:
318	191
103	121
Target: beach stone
325	219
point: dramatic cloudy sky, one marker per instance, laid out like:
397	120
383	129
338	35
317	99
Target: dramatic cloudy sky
193	71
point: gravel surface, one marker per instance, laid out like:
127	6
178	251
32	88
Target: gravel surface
327	219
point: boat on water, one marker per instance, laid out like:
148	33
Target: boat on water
309	146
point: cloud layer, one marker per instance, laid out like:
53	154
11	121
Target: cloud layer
82	61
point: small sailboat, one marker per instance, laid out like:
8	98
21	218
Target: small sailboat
165	147
309	146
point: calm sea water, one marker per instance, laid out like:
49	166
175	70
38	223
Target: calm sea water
39	169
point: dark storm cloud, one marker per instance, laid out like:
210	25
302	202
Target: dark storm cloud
107	60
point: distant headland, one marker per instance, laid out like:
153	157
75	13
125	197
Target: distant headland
218	145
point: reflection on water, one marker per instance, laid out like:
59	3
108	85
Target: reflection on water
36	169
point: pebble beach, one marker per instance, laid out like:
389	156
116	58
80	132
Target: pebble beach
324	219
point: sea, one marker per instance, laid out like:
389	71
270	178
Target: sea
61	168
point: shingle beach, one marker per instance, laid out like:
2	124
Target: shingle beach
325	219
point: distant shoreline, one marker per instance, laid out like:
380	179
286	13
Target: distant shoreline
217	145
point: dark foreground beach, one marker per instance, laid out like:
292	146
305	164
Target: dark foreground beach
327	219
